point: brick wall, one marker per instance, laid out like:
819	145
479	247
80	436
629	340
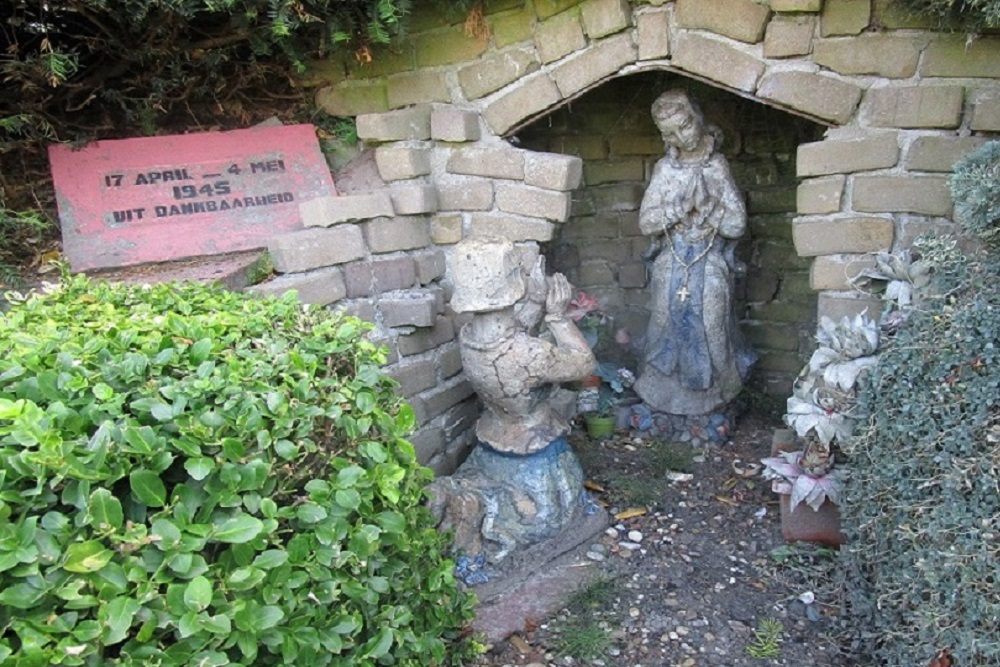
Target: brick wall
900	102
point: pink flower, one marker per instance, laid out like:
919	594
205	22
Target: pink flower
581	305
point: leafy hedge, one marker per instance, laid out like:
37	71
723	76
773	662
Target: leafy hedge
921	505
191	476
973	14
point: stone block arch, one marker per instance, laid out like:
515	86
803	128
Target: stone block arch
436	114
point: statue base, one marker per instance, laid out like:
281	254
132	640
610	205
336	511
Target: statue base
537	581
709	430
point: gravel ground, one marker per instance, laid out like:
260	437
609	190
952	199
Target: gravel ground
695	571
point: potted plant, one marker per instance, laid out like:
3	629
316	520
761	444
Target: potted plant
602	420
820	413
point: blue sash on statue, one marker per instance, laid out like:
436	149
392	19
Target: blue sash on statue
685	350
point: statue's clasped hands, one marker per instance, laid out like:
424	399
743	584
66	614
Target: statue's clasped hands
558	296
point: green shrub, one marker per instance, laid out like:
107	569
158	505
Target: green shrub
968	14
194	477
921	504
975	186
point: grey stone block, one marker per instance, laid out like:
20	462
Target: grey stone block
446	229
432	403
451	124
534	94
413	377
841	235
420	87
889	56
632	274
413	199
786	37
397	163
411	310
839	305
559	36
845	156
914	106
653	33
535	202
449	360
813	94
553	171
495	71
714	59
397	233
467	195
491	162
317	288
939	153
401	125
326	211
957	56
605	17
820	195
379	275
598	62
835	272
845	17
316	248
430	265
742	20
902	194
423	340
353	98
428	443
503	227
986	115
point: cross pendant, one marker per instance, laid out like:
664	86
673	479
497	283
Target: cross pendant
683	293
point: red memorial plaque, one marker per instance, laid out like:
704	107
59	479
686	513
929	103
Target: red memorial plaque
154	199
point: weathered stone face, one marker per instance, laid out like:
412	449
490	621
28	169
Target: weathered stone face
486	276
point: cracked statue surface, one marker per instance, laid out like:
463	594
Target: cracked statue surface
522	484
695	358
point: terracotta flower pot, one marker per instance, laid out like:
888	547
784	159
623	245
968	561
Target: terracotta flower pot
807	525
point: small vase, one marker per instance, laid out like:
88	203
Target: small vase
599	427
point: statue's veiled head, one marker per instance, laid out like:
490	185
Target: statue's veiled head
679	119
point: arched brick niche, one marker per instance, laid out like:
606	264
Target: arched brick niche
437	115
600	247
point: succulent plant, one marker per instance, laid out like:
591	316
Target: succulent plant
790	474
845	350
822	413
